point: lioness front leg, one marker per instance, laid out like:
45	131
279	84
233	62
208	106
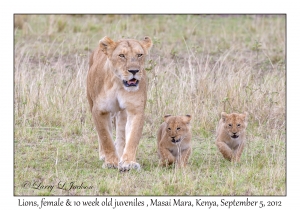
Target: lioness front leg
101	153
225	150
134	128
106	145
120	122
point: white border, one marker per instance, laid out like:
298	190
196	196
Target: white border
154	6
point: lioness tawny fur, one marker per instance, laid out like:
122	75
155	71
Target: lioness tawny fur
116	87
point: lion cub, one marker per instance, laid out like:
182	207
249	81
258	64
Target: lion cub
174	140
231	133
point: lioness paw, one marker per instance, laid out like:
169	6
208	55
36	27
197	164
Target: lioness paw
127	165
109	165
102	158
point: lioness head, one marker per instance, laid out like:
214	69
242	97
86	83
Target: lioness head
177	127
234	123
127	59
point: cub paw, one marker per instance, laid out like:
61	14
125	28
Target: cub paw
127	165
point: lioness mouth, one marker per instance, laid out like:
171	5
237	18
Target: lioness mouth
132	82
234	136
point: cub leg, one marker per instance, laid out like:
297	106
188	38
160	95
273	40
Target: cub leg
106	145
120	131
238	152
184	157
166	157
225	150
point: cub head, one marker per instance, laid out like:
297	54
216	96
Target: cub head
234	123
127	59
177	127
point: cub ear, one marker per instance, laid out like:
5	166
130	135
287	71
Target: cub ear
245	116
146	43
188	118
166	117
107	45
223	116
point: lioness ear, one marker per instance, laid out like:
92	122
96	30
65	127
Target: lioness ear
166	117
146	43
223	116
107	45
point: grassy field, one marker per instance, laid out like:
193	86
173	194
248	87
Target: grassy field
199	65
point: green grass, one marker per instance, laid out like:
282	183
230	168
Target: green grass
199	65
260	172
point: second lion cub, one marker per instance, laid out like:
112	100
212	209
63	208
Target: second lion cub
231	135
174	140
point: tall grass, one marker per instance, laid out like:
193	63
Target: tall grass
199	65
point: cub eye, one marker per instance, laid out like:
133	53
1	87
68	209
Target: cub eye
178	128
169	129
122	55
238	125
229	125
139	55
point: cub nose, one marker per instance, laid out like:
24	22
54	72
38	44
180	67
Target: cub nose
133	71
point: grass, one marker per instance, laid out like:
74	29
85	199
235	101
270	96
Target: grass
199	65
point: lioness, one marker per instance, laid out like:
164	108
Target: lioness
174	140
116	87
231	135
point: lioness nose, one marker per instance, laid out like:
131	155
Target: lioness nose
133	71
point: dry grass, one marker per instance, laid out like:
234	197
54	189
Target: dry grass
199	65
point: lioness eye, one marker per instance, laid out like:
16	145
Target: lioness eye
178	128
140	55
122	55
238	125
169	129
229	125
